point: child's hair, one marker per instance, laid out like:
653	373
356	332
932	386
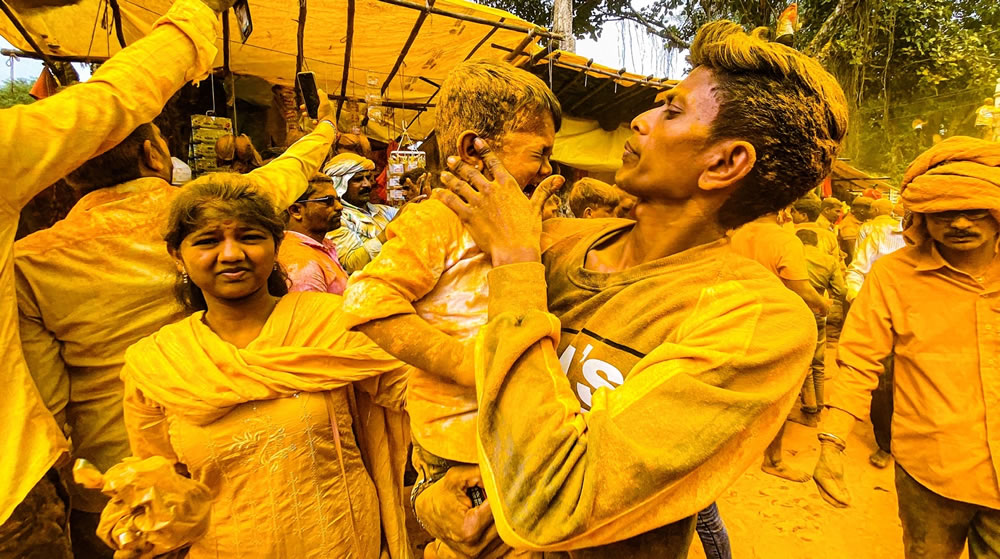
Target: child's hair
493	99
592	193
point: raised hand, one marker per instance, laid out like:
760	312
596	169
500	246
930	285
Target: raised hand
501	219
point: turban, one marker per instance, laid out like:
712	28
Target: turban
343	167
959	173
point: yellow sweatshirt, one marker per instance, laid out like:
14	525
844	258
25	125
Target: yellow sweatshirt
613	414
47	140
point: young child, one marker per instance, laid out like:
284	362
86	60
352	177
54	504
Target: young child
423	298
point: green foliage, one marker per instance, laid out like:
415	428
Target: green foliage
15	93
898	60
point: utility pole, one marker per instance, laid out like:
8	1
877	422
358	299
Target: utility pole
562	23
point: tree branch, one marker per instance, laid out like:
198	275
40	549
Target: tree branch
655	28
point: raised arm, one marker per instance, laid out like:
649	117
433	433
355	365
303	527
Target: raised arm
49	138
715	397
287	177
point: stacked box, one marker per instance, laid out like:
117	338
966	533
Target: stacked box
205	131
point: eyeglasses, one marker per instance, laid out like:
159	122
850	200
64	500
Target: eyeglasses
971	215
328	200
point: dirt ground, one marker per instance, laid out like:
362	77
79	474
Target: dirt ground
771	518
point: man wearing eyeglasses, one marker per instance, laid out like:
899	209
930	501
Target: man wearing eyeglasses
362	231
936	304
309	258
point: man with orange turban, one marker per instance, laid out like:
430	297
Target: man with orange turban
936	304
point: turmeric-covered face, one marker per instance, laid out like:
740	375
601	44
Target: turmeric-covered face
962	230
664	158
228	259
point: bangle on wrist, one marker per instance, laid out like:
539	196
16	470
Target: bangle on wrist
419	488
830	438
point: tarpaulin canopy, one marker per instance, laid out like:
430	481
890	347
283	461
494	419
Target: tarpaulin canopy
379	61
588	90
585	145
598	103
856	179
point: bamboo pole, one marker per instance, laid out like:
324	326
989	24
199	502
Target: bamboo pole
520	46
116	13
54	57
539	32
482	41
589	96
406	47
565	64
385	103
347	56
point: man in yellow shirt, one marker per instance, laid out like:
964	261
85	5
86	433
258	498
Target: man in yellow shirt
101	279
830	214
52	137
936	305
805	213
632	371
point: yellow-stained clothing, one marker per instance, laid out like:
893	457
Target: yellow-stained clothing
777	248
826	273
48	139
828	242
944	328
828	225
311	265
437	272
849	227
300	435
611	416
357	237
100	280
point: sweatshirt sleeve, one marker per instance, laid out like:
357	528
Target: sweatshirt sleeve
287	176
689	419
56	135
408	267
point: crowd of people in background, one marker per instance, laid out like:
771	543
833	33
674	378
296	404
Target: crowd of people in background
249	364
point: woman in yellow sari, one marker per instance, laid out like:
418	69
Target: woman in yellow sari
294	424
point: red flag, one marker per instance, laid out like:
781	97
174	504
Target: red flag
45	85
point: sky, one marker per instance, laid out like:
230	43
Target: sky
29	68
627	45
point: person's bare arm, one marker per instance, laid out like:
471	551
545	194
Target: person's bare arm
819	304
413	340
